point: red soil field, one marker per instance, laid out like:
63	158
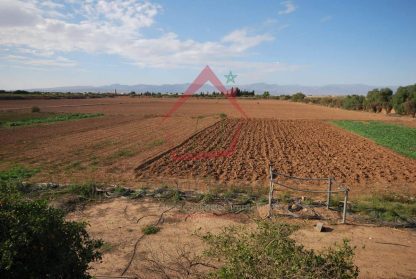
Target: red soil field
108	149
98	149
304	148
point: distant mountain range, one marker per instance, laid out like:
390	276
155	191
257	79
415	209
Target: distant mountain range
259	88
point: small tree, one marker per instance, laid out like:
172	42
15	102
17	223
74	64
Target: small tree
377	99
353	102
410	107
402	95
266	94
298	97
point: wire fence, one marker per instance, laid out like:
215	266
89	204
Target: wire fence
274	180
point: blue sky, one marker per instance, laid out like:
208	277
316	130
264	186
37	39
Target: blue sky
61	43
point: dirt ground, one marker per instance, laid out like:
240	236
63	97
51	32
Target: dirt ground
133	142
380	252
303	148
195	107
109	148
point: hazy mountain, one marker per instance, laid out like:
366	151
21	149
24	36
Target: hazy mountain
259	88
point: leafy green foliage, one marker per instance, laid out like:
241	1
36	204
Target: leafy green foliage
150	229
37	242
50	119
298	97
353	102
269	252
16	173
398	138
403	94
10	180
377	99
389	208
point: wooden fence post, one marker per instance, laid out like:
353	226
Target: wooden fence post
328	197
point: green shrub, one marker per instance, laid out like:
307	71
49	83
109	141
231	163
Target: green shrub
353	102
37	242
298	97
150	229
269	252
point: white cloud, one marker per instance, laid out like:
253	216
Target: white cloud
25	60
289	7
241	41
48	30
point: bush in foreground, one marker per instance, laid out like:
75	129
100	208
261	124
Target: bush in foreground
37	242
269	252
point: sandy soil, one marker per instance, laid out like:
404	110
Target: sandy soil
304	148
380	252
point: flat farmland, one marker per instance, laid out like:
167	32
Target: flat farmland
193	107
132	142
104	149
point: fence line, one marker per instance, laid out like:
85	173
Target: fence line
299	178
307	191
329	190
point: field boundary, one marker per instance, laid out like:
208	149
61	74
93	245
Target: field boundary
153	158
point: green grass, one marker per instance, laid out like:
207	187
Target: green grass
49	119
16	174
399	138
390	208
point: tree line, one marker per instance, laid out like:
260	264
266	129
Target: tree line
403	101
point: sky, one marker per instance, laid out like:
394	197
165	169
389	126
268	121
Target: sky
46	43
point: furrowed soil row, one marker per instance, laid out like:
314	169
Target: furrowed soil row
305	148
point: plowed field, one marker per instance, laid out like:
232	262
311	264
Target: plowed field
295	136
305	148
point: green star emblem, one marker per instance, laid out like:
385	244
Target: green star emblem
230	77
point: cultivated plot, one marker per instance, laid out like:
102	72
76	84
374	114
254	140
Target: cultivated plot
305	148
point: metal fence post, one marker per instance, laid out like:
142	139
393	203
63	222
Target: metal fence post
328	197
344	212
270	191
